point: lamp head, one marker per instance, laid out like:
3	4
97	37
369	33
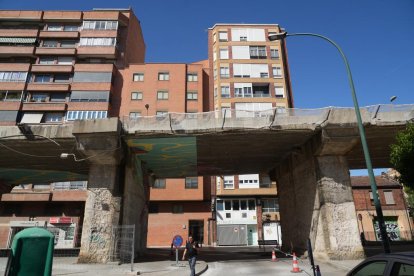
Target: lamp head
278	36
393	98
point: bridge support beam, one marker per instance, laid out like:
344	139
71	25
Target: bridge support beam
316	202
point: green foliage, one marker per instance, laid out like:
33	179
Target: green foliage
402	156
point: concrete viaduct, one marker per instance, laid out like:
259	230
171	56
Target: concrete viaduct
308	152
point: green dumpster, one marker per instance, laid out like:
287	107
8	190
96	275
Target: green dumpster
31	253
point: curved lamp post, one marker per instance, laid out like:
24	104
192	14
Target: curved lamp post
383	231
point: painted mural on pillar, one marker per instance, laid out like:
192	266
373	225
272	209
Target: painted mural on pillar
24	176
167	157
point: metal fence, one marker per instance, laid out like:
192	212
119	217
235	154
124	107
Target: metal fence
123	240
394	236
272	118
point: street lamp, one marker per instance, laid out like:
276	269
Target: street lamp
383	231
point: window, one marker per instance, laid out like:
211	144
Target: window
68	44
258	52
161	113
138	77
191	182
220	205
42	78
46	60
228	215
13	76
136	96
163	76
134	115
228	182
227	205
270	205
389	197
50	43
177	209
274	53
153	208
223	36
97	41
192	77
225	91
252	204
100	25
401	269
85	115
224	72
54	117
371	268
224	53
70	28
65	60
264	74
243	204
243	90
243	38
39	97
192	95
162	95
236	205
54	27
277	72
58	97
159	183
62	78
279	92
265	182
10	96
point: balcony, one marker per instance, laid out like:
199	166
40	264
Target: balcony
79	67
15	67
16	51
59	34
19	32
9	105
48	86
31	196
101	86
88	105
101	15
63	15
44	106
97	51
55	51
248	192
99	33
13	86
55	68
21	15
69	195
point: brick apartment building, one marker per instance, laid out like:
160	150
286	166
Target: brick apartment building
249	76
397	220
60	66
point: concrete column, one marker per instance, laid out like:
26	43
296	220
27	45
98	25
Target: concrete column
337	235
102	211
135	203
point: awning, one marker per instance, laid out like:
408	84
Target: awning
32	118
18	40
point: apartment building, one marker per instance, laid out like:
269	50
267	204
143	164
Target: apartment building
58	206
58	66
398	222
249	77
177	206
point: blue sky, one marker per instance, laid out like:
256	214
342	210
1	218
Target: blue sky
376	35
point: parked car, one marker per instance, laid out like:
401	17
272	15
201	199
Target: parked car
393	264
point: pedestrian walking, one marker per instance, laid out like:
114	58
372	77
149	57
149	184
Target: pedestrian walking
191	251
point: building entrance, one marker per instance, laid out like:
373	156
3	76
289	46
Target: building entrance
196	229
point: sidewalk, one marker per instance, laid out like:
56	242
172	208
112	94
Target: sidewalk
68	266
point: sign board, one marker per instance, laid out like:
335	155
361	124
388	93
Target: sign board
177	241
39	223
53	220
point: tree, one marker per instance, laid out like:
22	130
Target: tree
402	156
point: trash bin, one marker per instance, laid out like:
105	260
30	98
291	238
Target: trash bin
31	253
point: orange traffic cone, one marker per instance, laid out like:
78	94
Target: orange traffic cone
274	259
295	264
